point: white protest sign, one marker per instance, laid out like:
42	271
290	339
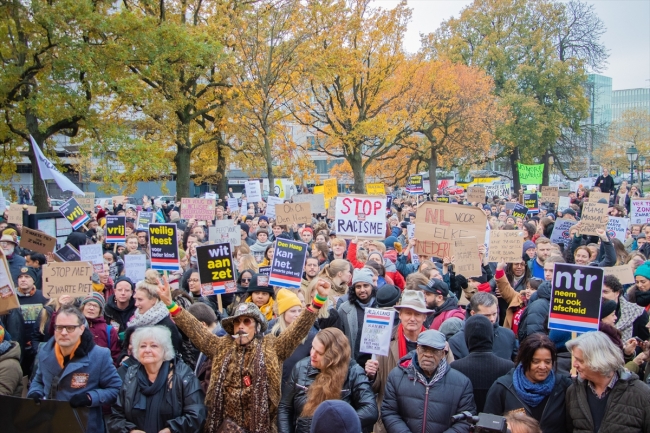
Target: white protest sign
586	182
376	331
93	254
360	215
317	201
624	273
640	210
253	191
410	231
244	207
560	233
271	201
225	231
135	265
500	190
233	205
564	203
617	227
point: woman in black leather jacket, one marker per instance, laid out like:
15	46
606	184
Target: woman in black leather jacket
328	374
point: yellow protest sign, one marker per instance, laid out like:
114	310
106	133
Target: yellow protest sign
376	189
330	189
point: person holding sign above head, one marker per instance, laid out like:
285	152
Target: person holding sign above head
581	254
321	377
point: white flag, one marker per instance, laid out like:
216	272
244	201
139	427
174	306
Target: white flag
49	171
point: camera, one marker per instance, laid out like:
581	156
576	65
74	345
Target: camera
483	423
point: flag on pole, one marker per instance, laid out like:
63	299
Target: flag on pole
49	171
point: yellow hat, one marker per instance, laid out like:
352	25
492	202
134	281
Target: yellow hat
286	300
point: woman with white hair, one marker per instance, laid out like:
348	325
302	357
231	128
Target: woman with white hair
605	397
161	393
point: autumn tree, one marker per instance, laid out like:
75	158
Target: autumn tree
631	129
352	82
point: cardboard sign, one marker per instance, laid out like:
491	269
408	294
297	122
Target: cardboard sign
288	263
376	331
163	244
442	199
624	273
499	190
331	209
8	298
530	174
438	224
226	231
144	219
507	245
293	213
617	228
119	200
271	202
550	194
476	194
519	211
233	204
115	229
15	213
316	201
467	262
74	213
530	201
135	266
37	241
594	216
640	210
216	269
201	209
67	253
561	233
330	188
595	197
253	191
69	278
415	184
575	298
93	254
87	201
360	215
375	189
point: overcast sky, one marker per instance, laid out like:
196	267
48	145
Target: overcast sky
627	37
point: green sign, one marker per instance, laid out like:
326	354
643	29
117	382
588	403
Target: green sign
530	174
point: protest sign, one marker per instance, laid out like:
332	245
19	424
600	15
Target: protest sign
550	194
86	201
586	182
163	244
93	254
201	209
135	265
211	195
264	270
467	261
67	278
115	229
530	201
72	211
144	219
216	269
226	231
564	203
506	245
519	211
376	331
415	185
253	191
331	209
3	204
575	298
293	213
8	298
500	190
360	215
330	188
316	201
271	201
617	228
439	223
24	415
476	194
375	189
593	217
640	210
15	213
233	204
67	253
624	273
410	231
37	241
560	234
530	174
119	200
288	263
442	199
244	207
595	196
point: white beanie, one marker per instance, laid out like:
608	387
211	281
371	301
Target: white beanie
363	275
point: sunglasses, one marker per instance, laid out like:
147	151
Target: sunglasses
245	280
247	321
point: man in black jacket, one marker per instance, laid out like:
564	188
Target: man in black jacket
605	182
481	366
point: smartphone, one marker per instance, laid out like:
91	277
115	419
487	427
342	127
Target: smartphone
638	340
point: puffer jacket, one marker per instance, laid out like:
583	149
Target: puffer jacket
502	398
627	407
356	391
536	316
184	396
411	405
11	375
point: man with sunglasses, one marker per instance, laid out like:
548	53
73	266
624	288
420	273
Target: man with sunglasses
72	368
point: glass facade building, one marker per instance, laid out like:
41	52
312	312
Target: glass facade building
629	99
599	91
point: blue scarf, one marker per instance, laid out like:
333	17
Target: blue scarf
532	393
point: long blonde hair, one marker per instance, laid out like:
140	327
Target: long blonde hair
248	262
330	380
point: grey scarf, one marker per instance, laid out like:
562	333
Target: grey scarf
629	313
151	317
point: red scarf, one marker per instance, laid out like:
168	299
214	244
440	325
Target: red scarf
401	340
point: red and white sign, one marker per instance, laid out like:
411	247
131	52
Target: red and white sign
360	216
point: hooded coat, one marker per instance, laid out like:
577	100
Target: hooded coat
105	338
11	375
504	343
352	314
117	317
446	311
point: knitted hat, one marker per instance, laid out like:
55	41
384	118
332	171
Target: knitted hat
451	327
260	283
124	278
362	275
390	242
261	231
387	296
528	245
96	298
643	270
27	270
263	218
569	211
376	253
335	416
244	227
308	229
607	308
286	300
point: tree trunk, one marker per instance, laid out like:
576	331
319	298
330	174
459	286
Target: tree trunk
433	167
514	159
269	162
183	160
222	183
356	164
547	169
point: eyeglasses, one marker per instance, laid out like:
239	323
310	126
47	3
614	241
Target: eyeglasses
245	320
68	328
245	280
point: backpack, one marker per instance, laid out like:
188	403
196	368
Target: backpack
458	312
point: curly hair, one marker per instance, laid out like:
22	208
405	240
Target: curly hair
336	363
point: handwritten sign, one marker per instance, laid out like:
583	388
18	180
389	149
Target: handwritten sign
624	273
37	241
594	217
316	201
476	194
507	245
561	233
67	278
375	189
550	194
293	213
360	215
201	209
93	254
330	188
595	196
87	201
8	298
467	261
500	190
530	174
640	210
439	223
225	231
15	213
72	211
253	191
271	201
564	203
376	331
575	298
135	266
617	228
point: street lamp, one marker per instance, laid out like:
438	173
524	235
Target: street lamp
632	155
642	164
